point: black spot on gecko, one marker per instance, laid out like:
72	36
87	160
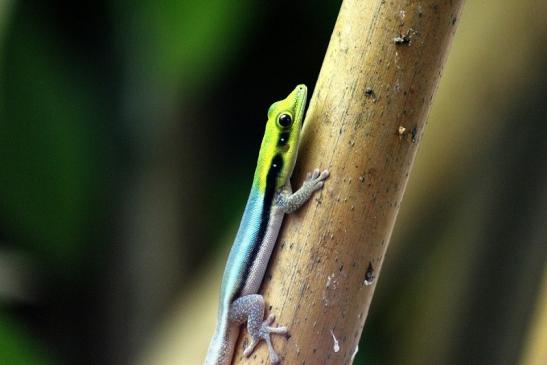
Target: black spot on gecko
283	138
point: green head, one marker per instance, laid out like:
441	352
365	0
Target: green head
280	143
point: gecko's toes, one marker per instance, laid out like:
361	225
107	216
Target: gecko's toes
250	348
274	358
270	319
264	334
324	175
315	174
278	330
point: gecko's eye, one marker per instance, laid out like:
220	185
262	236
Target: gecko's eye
284	120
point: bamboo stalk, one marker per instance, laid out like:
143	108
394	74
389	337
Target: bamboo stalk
364	123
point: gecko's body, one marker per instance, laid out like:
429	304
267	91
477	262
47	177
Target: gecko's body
270	199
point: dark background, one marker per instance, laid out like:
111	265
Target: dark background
128	137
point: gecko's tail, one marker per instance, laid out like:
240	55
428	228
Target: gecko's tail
221	347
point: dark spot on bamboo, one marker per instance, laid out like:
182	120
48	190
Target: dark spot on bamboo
401	39
369	275
405	38
414	134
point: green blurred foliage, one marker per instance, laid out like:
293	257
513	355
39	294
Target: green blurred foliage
181	40
48	149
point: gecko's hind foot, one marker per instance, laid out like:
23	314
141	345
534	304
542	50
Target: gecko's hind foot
264	334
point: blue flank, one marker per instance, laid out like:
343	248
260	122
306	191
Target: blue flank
240	254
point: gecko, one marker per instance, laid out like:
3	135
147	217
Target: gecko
271	197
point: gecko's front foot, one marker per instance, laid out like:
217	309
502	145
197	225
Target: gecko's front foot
316	179
290	202
264	334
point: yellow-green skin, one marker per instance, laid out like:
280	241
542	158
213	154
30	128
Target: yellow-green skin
294	105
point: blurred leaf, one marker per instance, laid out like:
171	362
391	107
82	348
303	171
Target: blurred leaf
46	143
175	39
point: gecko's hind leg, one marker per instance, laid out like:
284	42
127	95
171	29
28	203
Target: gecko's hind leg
250	309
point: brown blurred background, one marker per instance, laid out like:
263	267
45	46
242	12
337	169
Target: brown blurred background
128	138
